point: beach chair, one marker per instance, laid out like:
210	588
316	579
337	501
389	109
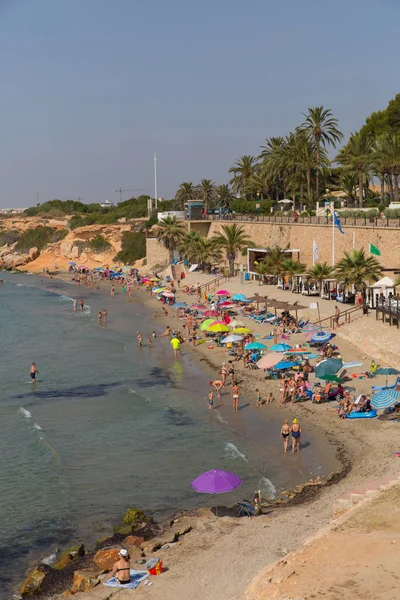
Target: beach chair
250	509
377	388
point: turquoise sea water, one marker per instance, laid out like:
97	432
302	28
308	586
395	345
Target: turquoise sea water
109	425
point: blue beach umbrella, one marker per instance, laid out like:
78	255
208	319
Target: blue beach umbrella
285	364
313	356
71	262
321	337
385	399
387	371
239	297
255	346
279	347
180	305
328	367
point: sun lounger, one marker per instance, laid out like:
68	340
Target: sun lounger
376	388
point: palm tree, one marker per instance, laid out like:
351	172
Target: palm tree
319	272
255	186
169	233
393	156
356	157
206	192
242	170
381	162
274	259
356	269
224	195
232	239
184	193
322	130
187	243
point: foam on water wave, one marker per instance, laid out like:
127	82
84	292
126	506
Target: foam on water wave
268	490
232	451
64	298
26	413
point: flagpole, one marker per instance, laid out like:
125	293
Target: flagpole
313	252
333	238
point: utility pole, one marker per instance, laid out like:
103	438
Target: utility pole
120	191
155	180
37	197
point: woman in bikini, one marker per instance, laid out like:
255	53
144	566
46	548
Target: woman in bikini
296	432
235	396
285	432
121	569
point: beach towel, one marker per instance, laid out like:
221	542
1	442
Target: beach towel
136	578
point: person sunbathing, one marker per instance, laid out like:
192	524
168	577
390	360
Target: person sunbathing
121	569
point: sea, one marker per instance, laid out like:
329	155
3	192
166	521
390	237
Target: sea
109	425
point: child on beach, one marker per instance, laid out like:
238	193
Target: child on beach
259	399
269	399
210	400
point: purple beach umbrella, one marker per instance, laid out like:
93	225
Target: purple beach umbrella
216	482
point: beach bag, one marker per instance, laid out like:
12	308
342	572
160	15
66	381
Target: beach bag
154	566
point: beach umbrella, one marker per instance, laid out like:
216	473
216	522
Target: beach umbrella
82	267
99	269
386	371
218	328
236	323
280	348
239	297
223	293
334	378
310	327
217	322
285	364
269	360
180	305
329	366
199	306
205	324
232	339
168	294
241	330
225	303
71	262
385	399
209	313
216	482
321	337
255	346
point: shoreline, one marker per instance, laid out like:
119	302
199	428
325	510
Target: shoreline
348	452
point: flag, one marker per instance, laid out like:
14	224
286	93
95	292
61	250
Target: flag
337	222
374	250
315	250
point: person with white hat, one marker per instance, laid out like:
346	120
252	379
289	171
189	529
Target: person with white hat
121	569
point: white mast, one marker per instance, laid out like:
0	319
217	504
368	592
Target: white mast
155	180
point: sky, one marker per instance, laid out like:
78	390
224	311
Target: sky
90	89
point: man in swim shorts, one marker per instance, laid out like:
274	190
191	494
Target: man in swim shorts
33	372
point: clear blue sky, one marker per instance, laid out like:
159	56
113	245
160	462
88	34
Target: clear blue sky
90	88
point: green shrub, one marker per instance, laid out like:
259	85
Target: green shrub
38	237
392	213
248	207
359	214
133	247
99	244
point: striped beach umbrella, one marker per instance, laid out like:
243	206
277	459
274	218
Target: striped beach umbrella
385	399
321	337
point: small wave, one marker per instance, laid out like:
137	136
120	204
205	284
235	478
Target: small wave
268	490
132	391
23	285
36	426
26	413
232	451
219	417
65	298
49	560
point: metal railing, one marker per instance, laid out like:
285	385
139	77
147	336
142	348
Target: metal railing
345	314
282	219
390	310
219	279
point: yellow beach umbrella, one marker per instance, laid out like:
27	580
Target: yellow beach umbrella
241	330
206	324
218	328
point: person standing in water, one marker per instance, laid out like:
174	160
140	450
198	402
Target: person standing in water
139	338
33	372
112	290
81	304
285	432
211	400
74	303
235	396
104	312
296	432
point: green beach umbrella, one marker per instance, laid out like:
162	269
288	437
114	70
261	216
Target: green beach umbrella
218	328
330	378
206	324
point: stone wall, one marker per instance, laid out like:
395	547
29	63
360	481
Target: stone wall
299	236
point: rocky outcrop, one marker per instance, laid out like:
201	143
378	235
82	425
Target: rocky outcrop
32	583
12	260
136	518
69	555
85	580
105	558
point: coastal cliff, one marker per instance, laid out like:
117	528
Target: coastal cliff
69	245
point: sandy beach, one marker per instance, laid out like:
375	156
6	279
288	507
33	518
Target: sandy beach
228	552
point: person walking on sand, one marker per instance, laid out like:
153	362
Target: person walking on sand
275	334
139	338
285	432
235	396
231	371
296	432
210	398
33	372
224	372
258	398
337	316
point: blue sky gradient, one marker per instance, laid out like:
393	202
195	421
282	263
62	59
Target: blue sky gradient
91	88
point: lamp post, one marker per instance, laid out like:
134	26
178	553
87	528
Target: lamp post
219	206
